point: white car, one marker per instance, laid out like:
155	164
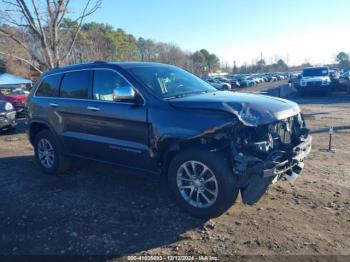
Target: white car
315	79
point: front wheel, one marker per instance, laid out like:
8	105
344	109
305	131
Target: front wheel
202	183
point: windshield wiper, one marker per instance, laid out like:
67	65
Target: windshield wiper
190	93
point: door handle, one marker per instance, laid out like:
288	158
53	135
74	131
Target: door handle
92	108
53	105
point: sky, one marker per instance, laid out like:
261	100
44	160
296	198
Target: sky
297	31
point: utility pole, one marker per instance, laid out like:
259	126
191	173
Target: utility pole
261	62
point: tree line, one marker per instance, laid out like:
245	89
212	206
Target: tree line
38	35
261	67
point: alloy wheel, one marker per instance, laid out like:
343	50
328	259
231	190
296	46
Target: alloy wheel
46	153
197	184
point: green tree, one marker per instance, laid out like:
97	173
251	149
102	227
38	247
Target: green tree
213	62
126	47
95	42
147	49
142	47
343	60
282	66
198	61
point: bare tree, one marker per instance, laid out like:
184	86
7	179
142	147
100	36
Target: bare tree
38	29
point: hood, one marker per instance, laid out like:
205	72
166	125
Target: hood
251	109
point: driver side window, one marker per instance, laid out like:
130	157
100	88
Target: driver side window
105	82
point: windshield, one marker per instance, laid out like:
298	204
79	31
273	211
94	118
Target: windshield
168	81
12	91
323	71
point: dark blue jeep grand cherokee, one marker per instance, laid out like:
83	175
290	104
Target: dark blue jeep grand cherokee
162	120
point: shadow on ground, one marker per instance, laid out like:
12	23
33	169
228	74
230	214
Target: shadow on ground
89	210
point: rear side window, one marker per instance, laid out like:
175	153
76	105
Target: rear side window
75	84
49	86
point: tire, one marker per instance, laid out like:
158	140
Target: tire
59	162
226	192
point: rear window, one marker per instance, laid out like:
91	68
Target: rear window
75	84
49	86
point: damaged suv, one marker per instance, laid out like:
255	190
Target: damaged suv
162	120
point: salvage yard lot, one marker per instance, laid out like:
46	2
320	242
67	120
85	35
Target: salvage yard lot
95	209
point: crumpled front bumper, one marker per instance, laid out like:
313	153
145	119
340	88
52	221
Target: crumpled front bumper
290	169
256	179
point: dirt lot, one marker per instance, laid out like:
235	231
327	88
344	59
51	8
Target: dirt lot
100	210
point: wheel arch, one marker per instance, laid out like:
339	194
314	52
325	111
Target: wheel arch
175	147
35	127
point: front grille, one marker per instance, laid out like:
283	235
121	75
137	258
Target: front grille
314	83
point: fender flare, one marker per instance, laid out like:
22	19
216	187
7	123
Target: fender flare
49	126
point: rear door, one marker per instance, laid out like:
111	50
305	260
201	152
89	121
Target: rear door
43	104
71	108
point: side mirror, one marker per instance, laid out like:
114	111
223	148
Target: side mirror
124	93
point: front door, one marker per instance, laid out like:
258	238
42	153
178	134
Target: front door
117	130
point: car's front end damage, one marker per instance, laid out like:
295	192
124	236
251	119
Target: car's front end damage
264	154
265	141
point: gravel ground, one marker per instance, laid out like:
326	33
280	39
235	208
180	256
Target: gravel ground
95	209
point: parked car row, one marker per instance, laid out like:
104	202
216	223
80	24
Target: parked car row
244	80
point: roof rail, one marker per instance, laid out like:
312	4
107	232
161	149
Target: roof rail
100	61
